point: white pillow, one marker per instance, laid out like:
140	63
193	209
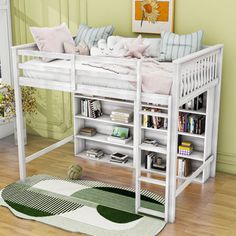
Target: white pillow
153	49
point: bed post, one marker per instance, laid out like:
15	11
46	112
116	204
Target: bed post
216	112
19	116
173	144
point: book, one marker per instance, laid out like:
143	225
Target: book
126	113
184	167
87	131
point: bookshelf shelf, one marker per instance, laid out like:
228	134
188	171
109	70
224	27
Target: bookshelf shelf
155	130
150	148
106	159
201	111
105	99
202	136
196	155
102	138
105	119
104	124
152	171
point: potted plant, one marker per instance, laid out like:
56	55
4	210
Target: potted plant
7	103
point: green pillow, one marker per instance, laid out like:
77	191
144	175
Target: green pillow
91	36
174	46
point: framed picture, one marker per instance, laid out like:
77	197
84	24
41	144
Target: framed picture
153	16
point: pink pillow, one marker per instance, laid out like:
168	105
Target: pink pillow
52	39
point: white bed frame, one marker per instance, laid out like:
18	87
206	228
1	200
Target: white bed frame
194	74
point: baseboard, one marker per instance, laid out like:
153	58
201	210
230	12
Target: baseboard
226	162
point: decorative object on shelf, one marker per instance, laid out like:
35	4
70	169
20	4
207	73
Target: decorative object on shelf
75	172
189	123
91	108
119	157
195	104
88	131
120	135
186	148
150	141
122	115
95	153
158	163
184	168
153	16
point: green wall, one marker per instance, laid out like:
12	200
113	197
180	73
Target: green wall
216	18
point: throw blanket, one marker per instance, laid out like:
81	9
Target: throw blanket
157	77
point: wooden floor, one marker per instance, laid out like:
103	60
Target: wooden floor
208	209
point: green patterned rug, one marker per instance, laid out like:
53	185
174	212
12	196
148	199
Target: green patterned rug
84	206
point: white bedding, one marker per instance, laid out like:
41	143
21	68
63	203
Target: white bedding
59	70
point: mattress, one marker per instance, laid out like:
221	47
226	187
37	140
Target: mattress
59	70
62	70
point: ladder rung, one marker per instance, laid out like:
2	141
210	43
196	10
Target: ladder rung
150	113
151	212
152	181
151	148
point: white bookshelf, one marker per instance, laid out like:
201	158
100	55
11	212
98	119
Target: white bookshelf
104	126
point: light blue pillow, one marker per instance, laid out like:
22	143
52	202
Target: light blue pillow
91	36
174	46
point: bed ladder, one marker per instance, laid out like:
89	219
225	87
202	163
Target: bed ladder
138	147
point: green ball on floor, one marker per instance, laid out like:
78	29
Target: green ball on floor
75	172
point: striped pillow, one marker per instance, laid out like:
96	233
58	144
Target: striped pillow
91	36
174	46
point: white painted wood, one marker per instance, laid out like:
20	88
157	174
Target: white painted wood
194	175
19	117
194	74
152	181
49	149
151	148
216	112
138	135
151	212
173	126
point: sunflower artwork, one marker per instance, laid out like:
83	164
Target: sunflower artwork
152	16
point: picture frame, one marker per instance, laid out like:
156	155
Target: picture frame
152	16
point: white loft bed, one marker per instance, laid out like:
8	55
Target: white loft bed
193	75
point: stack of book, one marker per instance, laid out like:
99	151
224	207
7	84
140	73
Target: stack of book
186	148
122	115
119	158
194	124
95	153
91	108
87	131
154	121
184	168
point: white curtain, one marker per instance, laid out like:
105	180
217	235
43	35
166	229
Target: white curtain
5	41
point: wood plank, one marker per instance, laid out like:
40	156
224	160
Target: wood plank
211	214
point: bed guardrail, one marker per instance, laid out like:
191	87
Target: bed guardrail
198	71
